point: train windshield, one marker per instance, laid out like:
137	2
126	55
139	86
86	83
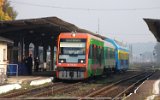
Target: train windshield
72	50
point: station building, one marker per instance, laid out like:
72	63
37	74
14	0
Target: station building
5	44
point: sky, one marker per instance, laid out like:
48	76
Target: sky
117	19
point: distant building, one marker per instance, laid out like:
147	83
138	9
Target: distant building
3	54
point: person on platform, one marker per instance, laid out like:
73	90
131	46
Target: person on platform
30	64
25	63
36	64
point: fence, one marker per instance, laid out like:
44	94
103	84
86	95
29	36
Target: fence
12	69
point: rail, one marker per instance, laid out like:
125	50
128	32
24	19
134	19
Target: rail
111	87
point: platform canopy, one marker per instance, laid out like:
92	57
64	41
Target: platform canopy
39	30
154	27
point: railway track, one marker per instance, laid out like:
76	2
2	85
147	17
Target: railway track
42	91
121	88
25	91
52	90
113	91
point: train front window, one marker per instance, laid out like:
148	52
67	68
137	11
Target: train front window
72	50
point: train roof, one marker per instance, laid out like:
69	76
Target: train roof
97	36
109	44
89	33
118	45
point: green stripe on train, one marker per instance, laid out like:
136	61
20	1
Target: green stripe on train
106	59
94	62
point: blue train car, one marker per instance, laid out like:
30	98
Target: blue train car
121	55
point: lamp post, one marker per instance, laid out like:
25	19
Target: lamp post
154	62
140	58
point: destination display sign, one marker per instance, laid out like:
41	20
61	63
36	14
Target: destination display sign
73	40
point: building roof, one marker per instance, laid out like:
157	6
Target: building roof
32	23
2	39
38	30
154	27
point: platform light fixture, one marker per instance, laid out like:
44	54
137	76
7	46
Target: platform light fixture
31	31
43	34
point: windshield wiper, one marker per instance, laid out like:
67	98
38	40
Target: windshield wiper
73	55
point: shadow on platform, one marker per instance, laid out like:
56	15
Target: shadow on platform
44	73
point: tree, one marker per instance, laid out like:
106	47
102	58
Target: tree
6	11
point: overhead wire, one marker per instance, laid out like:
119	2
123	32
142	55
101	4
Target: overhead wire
85	9
90	9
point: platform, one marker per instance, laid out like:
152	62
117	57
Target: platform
28	78
37	78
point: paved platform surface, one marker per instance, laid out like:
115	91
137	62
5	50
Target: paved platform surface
24	79
28	78
37	78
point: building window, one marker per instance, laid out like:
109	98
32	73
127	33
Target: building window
4	54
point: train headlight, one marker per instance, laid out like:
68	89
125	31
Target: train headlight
82	61
73	35
62	61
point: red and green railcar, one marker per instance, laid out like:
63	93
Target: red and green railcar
82	55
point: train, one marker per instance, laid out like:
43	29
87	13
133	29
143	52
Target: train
121	55
83	55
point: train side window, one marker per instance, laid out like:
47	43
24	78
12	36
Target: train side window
120	55
94	51
108	54
127	56
99	52
90	51
121	62
112	54
102	52
126	62
105	52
